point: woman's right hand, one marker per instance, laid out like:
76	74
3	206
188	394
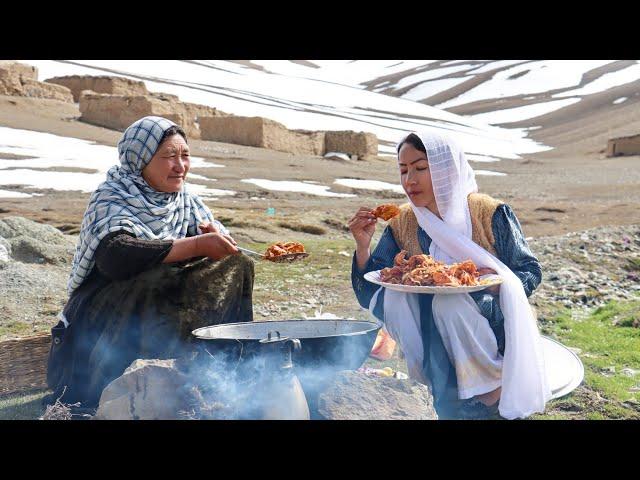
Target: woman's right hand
362	227
215	245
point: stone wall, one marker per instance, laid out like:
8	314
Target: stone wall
623	146
120	111
362	144
20	80
265	133
100	84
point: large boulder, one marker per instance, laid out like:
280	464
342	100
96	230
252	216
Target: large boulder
261	132
147	390
18	79
4	243
100	84
170	389
356	396
32	242
5	250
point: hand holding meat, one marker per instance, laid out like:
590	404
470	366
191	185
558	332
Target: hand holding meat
363	226
386	211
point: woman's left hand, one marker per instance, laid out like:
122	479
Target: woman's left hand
208	227
495	290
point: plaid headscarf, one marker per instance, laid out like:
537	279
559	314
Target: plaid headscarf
125	201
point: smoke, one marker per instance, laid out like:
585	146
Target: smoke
250	380
226	380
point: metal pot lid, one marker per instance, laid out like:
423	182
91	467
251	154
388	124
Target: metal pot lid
564	368
288	328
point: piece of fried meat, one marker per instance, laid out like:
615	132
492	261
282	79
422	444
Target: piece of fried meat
386	211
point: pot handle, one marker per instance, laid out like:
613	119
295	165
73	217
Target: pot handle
296	346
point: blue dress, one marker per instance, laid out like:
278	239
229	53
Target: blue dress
511	248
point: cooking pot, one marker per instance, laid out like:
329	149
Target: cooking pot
334	344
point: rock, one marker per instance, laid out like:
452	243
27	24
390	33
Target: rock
147	390
33	242
13	227
4	252
6	244
630	372
356	396
337	156
32	250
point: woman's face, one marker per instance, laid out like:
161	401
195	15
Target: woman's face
415	176
167	170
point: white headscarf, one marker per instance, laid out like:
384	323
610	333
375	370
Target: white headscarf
525	388
453	180
126	202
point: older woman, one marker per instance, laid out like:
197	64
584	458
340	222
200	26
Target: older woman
479	352
133	291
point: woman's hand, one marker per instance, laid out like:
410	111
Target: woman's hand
208	227
362	227
495	290
215	245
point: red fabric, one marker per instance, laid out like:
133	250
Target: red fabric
383	347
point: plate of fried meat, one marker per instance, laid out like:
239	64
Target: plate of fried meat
423	274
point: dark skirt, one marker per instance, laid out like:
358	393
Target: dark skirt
150	315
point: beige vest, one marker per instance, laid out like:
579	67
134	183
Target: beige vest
481	208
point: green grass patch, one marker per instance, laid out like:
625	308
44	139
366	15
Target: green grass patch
25	406
302	227
337	224
16	328
610	352
322	280
634	264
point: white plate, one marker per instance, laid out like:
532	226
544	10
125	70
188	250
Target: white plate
374	277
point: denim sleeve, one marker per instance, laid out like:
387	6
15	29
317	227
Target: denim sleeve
381	257
513	250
